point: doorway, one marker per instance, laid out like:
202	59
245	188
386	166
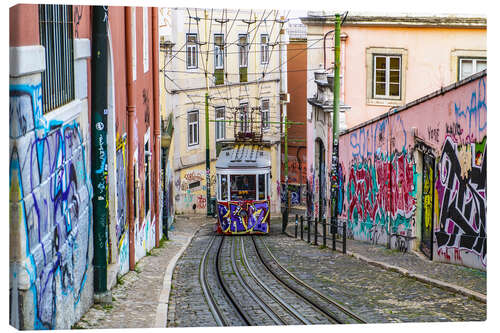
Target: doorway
427	219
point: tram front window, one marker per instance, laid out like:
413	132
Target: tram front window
243	187
262	187
223	187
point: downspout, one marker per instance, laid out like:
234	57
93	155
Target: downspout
156	121
131	107
99	162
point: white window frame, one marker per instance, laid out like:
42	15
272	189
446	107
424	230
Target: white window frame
145	39
220	127
192	49
388	70
193	128
264	50
243	118
243	51
265	113
218	52
474	65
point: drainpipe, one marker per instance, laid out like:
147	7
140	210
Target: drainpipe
156	121
99	147
131	107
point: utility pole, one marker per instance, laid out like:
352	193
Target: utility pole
99	166
285	124
335	155
207	130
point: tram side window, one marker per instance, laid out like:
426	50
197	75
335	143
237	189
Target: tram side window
223	187
262	187
243	187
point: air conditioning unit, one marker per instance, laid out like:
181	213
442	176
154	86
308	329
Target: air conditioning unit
284	98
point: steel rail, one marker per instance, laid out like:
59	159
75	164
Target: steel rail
285	305
226	290
304	284
214	309
274	316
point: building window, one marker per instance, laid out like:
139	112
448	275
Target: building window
145	39
193	128
243	49
56	35
219	51
192	50
387	76
264	105
469	66
220	127
244	127
264	49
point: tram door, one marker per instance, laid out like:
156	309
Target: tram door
427	204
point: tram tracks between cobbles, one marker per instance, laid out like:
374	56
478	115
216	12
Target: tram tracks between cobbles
257	290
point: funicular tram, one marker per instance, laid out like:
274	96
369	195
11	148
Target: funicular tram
243	189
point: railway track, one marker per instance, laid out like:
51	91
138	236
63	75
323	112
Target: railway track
257	290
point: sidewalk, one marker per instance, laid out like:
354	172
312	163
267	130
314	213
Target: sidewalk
466	281
140	299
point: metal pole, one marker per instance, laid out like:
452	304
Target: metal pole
207	155
316	231
302	228
324	232
335	155
99	149
309	230
344	238
334	235
296	224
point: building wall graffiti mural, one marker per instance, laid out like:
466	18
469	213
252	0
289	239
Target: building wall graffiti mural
51	212
121	208
380	196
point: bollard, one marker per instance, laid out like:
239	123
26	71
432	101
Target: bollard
296	224
316	231
302	228
344	238
309	230
334	234
324	232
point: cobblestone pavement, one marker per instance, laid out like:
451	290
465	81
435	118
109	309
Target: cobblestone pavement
377	295
460	276
137	295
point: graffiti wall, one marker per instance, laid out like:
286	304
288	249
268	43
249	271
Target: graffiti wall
191	190
382	183
50	211
243	217
121	207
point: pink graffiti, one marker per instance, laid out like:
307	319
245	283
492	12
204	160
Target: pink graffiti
375	188
202	201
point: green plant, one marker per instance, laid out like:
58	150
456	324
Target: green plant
119	280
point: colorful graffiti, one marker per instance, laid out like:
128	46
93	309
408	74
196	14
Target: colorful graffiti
121	204
244	217
50	194
383	193
461	189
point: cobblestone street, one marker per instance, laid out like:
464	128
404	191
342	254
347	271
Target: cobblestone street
378	295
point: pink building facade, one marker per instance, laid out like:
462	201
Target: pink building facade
415	178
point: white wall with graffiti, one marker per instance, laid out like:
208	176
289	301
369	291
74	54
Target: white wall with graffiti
51	244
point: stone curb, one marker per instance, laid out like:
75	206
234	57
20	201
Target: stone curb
419	277
162	309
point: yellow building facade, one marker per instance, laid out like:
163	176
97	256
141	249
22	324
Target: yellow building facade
233	56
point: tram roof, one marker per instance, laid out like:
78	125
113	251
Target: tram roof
243	156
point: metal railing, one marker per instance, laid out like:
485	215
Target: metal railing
56	35
338	233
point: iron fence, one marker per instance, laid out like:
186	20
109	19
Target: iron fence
316	229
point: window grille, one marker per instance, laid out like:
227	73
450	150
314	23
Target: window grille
265	113
244	125
56	35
